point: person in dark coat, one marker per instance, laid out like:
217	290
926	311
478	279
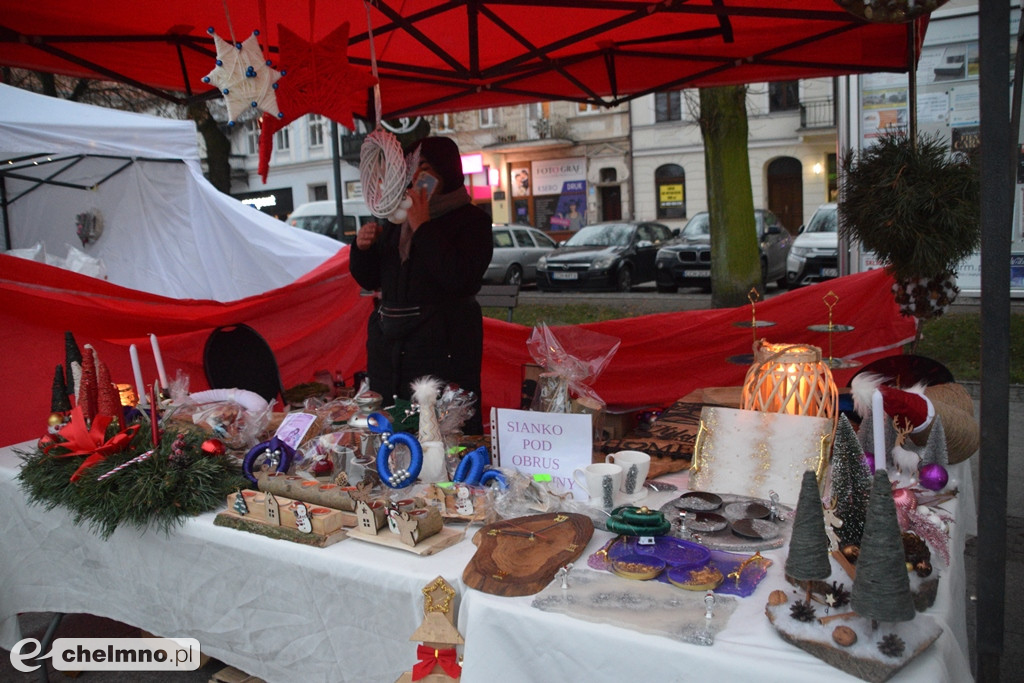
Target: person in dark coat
428	271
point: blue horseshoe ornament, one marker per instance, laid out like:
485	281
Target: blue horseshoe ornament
473	470
379	423
275	449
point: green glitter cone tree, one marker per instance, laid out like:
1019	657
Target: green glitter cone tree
851	483
881	591
808	548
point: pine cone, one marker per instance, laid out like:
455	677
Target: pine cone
840	594
891	645
802	611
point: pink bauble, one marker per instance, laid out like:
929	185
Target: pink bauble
933	476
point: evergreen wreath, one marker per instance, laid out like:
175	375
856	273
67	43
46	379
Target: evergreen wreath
177	481
915	205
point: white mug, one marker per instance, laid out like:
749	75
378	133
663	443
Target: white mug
601	481
635	466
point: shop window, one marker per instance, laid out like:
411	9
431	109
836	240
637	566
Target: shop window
668	106
670	191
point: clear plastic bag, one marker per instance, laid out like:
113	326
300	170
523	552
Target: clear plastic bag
572	358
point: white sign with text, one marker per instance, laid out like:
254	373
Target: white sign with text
535	442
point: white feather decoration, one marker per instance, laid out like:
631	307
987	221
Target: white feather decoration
425	391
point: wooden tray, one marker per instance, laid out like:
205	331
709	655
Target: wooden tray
445	538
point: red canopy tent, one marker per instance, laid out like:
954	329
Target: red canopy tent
444	55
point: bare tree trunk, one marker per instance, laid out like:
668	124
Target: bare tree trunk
735	256
218	147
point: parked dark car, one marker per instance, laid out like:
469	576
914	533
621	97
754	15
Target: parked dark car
687	262
516	250
612	256
815	253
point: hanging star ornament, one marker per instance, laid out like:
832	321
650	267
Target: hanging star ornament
320	81
244	77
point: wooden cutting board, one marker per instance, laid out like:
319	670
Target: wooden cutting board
521	556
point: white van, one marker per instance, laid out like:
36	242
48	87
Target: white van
322	218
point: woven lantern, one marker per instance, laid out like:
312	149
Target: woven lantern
792	379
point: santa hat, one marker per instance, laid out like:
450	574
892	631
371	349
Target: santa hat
908	406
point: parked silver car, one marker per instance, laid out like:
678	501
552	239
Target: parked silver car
815	253
516	250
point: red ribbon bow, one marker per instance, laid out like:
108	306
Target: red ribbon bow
91	441
429	656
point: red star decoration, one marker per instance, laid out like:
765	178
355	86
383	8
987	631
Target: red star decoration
318	79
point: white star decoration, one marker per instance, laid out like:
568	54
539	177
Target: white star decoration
243	77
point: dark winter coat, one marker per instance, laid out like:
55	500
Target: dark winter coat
447	262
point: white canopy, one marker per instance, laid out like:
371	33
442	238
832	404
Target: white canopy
166	230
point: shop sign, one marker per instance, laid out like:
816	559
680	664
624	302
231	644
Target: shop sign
552	444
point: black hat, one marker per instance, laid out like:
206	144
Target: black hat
443	155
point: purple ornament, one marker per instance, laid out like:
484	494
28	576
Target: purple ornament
933	476
869	460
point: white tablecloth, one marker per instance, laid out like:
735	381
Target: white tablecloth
287	612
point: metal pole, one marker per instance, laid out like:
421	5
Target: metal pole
996	222
912	82
336	168
6	215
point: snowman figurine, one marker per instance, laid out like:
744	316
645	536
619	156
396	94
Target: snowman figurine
463	500
302	518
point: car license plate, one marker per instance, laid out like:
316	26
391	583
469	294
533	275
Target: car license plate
564	276
830	272
696	273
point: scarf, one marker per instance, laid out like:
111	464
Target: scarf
440	204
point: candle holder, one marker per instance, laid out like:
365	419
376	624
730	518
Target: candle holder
831	299
753	296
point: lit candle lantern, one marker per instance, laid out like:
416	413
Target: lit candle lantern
792	379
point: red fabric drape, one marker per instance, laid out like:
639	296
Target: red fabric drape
319	322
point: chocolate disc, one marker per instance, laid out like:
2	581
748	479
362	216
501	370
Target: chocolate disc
745	510
707	522
698	501
758	529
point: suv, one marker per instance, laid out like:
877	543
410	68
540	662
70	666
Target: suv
815	253
687	262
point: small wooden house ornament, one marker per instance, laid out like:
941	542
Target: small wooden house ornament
438	660
273	513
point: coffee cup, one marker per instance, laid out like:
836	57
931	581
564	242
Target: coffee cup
600	480
635	466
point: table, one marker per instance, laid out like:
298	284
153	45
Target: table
287	612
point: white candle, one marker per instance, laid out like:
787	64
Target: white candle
159	361
878	429
140	388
